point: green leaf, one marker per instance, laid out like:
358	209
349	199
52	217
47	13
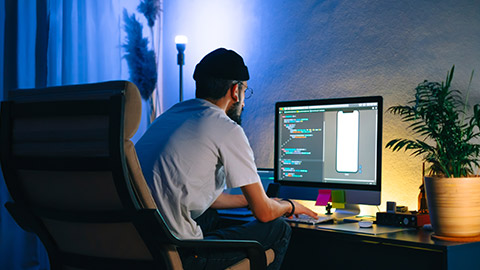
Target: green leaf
438	113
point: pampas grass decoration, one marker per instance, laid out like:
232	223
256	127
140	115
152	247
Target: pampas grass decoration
140	60
149	8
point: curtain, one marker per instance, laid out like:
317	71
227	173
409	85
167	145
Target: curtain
58	42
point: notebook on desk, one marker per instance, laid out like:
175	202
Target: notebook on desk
235	212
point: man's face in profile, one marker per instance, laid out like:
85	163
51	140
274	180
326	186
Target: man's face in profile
235	111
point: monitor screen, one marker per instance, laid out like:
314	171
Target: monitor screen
329	143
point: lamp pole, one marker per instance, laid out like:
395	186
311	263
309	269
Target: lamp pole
181	42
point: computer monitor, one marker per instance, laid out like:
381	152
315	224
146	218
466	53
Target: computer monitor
330	144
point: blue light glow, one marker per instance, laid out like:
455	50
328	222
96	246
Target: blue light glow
208	25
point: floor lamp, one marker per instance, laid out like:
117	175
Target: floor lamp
181	42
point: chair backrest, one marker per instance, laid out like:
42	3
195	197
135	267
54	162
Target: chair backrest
75	180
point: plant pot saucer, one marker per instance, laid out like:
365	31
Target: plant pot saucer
457	239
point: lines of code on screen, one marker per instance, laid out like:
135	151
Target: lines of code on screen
301	144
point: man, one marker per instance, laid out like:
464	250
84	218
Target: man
197	147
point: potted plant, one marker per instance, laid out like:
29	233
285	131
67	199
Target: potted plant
447	142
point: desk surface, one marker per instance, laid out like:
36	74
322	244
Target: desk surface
311	246
419	237
408	249
415	237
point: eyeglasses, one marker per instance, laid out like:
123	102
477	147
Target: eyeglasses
248	90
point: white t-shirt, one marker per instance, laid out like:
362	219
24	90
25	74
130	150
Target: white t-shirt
187	156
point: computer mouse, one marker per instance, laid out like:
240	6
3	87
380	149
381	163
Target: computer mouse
365	224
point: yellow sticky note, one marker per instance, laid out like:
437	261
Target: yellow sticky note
338	205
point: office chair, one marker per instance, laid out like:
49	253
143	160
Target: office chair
75	181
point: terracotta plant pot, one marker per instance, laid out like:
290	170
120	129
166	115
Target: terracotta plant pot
454	206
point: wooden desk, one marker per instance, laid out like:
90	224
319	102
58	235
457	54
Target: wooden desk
312	248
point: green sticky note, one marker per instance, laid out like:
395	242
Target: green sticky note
338	196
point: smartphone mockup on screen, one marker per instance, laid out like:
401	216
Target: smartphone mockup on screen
347	141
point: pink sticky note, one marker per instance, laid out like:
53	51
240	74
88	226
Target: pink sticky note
324	196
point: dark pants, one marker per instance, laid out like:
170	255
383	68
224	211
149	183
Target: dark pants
274	234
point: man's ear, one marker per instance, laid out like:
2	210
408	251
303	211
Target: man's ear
234	92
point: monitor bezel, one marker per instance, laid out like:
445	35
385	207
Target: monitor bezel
363	99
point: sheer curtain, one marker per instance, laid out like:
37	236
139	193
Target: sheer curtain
84	42
59	42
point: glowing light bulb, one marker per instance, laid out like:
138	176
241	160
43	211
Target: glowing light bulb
180	39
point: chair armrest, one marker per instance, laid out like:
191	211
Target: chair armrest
253	250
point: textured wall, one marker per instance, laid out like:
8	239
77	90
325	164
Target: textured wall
307	49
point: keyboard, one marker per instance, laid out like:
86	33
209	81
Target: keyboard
308	219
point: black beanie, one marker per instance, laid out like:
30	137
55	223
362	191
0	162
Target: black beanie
222	64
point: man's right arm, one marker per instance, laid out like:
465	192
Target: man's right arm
266	209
